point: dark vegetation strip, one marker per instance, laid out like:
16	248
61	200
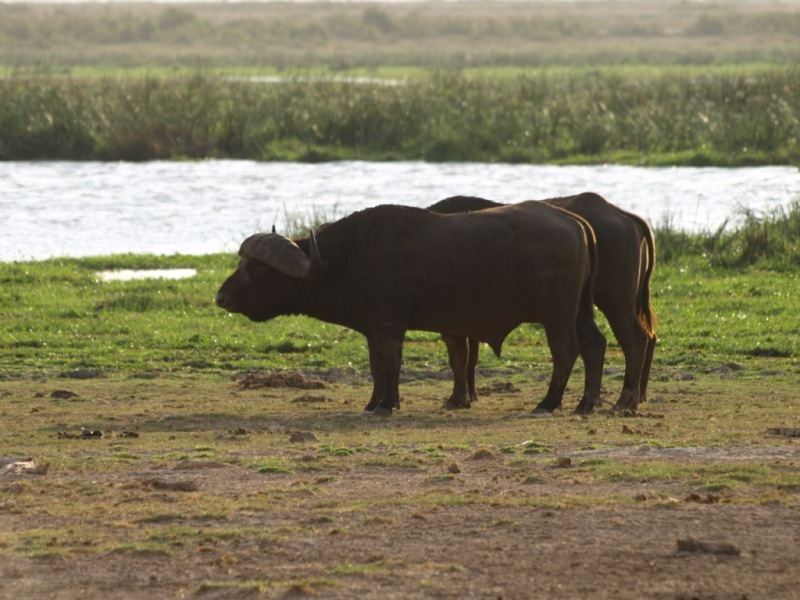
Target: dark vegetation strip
719	119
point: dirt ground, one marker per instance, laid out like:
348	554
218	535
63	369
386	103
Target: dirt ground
656	540
471	551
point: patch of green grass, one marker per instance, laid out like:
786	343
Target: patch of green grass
274	469
350	568
57	320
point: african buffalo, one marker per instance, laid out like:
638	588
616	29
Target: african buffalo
626	259
388	269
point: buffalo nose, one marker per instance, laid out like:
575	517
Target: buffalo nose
220	300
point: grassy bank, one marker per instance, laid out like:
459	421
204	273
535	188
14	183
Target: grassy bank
607	116
724	298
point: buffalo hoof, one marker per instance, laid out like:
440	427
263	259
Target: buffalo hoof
628	401
378	412
585	407
624	409
455	405
542	413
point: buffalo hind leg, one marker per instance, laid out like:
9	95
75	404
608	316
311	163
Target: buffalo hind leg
593	352
648	361
564	347
633	340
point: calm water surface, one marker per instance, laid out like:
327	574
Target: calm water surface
50	209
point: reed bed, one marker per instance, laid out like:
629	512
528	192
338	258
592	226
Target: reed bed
721	118
769	241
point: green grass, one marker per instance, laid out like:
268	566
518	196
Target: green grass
723	298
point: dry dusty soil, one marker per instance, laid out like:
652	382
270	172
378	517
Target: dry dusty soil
467	526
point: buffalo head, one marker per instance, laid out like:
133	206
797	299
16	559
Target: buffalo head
265	283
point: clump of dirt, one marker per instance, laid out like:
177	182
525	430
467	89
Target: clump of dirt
254	381
59	395
703	547
481	454
785	431
311	399
498	387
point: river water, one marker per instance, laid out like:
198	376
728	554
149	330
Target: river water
52	209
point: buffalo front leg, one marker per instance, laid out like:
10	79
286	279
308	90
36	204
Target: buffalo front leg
458	355
472	366
385	357
378	380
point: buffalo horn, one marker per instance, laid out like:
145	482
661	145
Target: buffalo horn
281	253
315	258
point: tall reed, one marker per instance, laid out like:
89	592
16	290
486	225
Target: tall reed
716	119
768	240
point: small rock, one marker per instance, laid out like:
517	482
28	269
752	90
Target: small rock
564	462
708	499
276	428
23	467
454	469
302	436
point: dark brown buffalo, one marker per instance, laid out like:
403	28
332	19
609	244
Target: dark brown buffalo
626	258
388	269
